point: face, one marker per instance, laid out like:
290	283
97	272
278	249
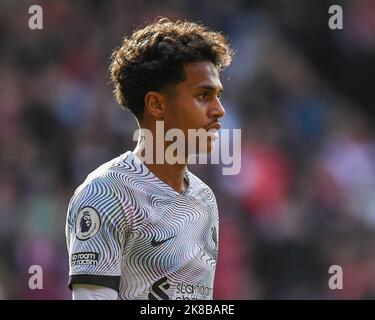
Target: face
195	102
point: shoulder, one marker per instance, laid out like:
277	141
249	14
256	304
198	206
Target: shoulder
111	176
104	185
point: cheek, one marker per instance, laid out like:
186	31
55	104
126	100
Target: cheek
193	109
184	113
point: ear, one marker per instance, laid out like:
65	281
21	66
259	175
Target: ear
155	104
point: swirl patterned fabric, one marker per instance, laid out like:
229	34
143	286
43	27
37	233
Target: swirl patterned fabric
128	230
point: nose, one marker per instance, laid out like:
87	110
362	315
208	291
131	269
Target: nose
217	110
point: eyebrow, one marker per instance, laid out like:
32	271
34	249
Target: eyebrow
210	88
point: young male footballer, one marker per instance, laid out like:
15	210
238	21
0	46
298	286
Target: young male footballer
140	227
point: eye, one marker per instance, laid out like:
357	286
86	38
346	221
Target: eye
220	94
203	96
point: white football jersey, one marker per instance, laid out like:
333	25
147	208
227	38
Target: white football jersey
128	230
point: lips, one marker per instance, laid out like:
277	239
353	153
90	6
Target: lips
215	126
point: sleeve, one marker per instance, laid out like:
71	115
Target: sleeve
96	233
90	292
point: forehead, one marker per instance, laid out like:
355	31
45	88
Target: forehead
202	73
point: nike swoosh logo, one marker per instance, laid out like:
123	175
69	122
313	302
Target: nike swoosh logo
155	243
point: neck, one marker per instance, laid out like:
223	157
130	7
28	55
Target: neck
171	174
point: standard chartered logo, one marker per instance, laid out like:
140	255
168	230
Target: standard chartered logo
192	292
157	290
184	291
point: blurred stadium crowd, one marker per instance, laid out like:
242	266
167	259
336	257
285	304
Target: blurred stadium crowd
301	93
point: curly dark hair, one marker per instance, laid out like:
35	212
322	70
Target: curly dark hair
155	55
